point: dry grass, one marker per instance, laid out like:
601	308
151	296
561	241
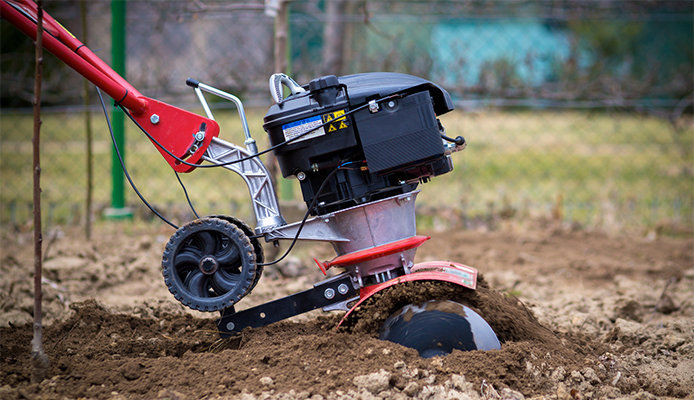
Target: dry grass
624	168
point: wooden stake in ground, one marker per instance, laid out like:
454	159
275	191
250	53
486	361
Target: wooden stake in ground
280	55
88	131
37	353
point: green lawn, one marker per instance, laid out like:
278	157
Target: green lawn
629	169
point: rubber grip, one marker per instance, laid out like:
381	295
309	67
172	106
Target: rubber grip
192	82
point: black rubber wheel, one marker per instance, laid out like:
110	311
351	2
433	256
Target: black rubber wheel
257	247
437	327
209	264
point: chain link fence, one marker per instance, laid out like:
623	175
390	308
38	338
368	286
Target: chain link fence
575	110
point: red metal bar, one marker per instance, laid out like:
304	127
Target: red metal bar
68	39
101	75
374	252
174	128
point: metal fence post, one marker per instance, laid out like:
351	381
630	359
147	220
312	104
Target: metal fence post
118	208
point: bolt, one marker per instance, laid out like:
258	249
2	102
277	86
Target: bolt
329	293
230	326
154	118
342	288
391	104
301	175
199	136
373	106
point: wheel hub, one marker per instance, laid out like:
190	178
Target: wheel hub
208	265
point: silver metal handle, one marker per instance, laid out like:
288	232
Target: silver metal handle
199	87
276	82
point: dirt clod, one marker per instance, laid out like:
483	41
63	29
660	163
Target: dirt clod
375	382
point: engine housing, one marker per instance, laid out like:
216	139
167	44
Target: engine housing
385	150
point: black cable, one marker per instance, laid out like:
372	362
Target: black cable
190	203
303	221
271	148
459	140
122	163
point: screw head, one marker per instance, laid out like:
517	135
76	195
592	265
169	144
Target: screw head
199	136
342	289
329	293
230	326
301	175
154	118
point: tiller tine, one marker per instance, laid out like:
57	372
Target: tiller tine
437	327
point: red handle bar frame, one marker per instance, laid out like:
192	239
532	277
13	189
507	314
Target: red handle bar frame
175	127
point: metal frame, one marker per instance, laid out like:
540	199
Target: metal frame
257	178
333	293
253	171
249	142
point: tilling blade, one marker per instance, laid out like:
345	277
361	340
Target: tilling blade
437	327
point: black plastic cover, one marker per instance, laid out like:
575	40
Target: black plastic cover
404	132
369	85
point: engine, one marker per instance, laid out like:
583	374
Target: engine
386	148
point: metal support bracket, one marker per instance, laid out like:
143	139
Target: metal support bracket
324	294
257	178
317	228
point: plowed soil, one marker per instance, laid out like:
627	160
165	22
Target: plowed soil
580	315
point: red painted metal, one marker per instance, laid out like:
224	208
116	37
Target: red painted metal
52	43
463	271
375	252
321	266
176	126
30	9
175	130
444	271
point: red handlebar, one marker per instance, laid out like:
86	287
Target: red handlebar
174	128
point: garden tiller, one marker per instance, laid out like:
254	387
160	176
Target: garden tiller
359	146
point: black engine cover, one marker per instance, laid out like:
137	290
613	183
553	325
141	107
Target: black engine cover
388	150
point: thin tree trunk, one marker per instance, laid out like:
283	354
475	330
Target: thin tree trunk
88	132
348	38
281	37
280	56
334	37
37	353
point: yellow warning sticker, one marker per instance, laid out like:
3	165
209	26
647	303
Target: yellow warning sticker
339	122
